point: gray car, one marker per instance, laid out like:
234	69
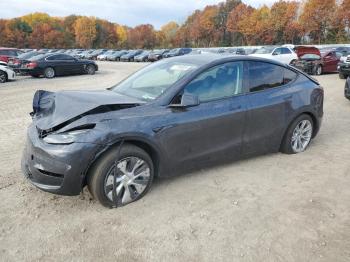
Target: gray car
170	117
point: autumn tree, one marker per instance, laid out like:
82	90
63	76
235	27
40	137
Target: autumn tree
167	34
85	31
316	18
235	23
142	36
122	35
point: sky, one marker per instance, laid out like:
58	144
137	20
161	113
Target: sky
126	12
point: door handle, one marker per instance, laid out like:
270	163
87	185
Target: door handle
235	107
288	98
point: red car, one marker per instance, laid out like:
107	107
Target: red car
315	62
6	53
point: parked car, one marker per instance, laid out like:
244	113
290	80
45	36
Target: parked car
178	52
95	54
6	73
344	68
16	63
51	65
129	57
160	122
157	55
347	89
282	54
116	56
143	57
7	53
104	55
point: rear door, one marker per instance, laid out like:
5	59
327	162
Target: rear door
269	102
212	130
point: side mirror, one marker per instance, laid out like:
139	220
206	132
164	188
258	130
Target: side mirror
187	100
274	53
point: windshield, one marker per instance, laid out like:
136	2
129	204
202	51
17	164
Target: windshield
264	50
151	81
310	56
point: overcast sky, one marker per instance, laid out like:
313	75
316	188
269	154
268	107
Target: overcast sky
128	12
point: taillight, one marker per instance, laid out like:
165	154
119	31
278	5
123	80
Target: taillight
32	65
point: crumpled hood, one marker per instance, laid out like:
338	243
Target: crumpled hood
54	110
303	50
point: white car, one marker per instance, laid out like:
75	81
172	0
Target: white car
104	55
282	54
6	73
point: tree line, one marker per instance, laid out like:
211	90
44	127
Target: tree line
229	23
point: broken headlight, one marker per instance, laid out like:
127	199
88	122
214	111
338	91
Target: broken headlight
64	138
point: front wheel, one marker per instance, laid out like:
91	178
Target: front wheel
319	70
298	135
119	180
342	76
3	77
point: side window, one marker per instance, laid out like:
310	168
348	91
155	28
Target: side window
289	76
66	57
217	82
277	51
263	76
53	58
286	51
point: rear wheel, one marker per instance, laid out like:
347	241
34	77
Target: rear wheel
49	72
90	69
298	135
3	77
117	181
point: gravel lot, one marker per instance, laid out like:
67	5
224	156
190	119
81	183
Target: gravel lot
270	208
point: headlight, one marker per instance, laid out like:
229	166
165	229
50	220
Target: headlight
64	138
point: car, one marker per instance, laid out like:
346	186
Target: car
95	54
347	89
116	56
16	63
51	65
104	55
178	52
175	115
157	55
344	68
7	53
6	73
314	62
129	57
283	54
143	57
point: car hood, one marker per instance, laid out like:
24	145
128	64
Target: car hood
303	50
54	110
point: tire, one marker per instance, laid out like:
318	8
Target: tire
3	77
90	69
101	174
292	62
319	70
286	145
49	72
342	76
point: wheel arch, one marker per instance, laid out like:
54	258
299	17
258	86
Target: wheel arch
314	122
147	146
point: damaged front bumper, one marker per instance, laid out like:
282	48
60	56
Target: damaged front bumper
58	169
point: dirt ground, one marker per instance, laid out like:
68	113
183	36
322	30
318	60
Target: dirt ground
270	208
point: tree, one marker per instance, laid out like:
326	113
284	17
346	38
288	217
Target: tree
85	31
142	36
167	34
122	35
317	17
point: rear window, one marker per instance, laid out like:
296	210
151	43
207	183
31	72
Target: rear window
264	76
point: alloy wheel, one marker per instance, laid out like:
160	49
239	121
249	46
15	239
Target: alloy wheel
126	183
301	136
2	77
49	72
